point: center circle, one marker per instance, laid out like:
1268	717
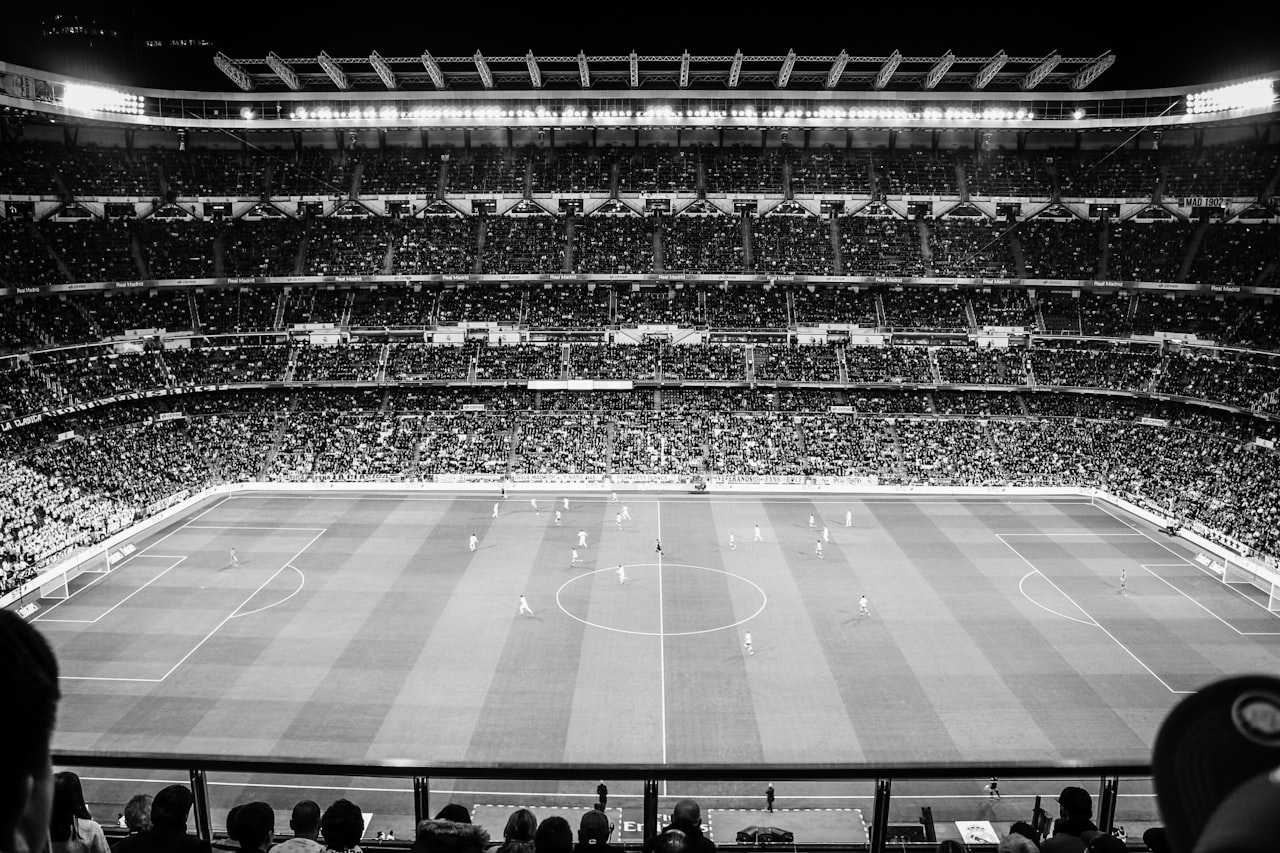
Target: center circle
598	587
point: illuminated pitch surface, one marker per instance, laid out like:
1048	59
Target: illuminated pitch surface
362	627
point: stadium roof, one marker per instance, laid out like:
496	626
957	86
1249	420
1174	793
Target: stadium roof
119	44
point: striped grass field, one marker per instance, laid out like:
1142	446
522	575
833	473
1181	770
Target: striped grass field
362	627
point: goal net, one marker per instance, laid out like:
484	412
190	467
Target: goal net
97	561
1253	579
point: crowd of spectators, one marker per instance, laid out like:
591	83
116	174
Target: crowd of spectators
924	308
792	245
524	244
347	246
880	245
981	366
436	245
835	305
612	244
1116	368
703	244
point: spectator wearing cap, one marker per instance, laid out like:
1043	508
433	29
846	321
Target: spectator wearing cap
450	832
255	827
1075	809
342	827
305	823
168	832
553	836
593	834
29	685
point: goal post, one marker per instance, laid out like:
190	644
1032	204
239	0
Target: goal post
95	561
1253	578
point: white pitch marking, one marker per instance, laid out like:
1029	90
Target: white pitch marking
1169	583
302	580
248	527
1041	606
1095	622
1184	560
233	613
106	612
662	647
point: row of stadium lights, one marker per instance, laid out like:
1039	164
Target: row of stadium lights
930	114
1253	94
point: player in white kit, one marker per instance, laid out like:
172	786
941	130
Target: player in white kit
618	518
582	538
848	518
472	542
622	574
524	607
533	502
626	513
235	561
747	644
863	610
818	550
495	510
574	559
733	546
758	537
558	521
811	522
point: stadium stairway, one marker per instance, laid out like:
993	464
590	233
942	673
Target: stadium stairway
1193	246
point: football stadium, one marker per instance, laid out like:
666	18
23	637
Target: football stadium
648	451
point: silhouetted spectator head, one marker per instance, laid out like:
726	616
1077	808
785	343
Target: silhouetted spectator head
1016	842
594	830
450	836
305	820
1026	830
342	825
455	813
1216	765
687	813
1075	804
255	826
521	826
950	845
233	814
553	835
137	813
29	685
171	806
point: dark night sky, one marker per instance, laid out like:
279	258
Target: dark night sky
1164	49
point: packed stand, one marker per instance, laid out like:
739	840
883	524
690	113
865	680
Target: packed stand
479	303
25	259
742	306
435	245
567	305
702	244
892	364
880	245
343	363
228	310
1237	254
662	304
612	244
391	304
520	361
929	308
981	366
1053	249
1114	369
817	363
262	248
94	250
1147	252
835	305
526	244
356	246
791	245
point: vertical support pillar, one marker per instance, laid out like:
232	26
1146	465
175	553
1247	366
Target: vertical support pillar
421	800
1107	803
880	815
200	805
650	827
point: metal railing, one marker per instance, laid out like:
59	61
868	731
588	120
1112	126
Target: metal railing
198	767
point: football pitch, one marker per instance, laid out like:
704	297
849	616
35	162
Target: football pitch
362	627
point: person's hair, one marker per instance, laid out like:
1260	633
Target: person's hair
952	846
1016	842
455	813
554	835
305	819
29	685
342	825
68	805
137	813
521	826
170	807
671	841
255	823
233	814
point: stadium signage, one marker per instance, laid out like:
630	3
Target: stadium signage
1107	283
1203	201
1225	288
21	422
30	289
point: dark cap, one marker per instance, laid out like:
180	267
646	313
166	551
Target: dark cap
1101	842
1213	742
1248	821
594	828
1076	801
